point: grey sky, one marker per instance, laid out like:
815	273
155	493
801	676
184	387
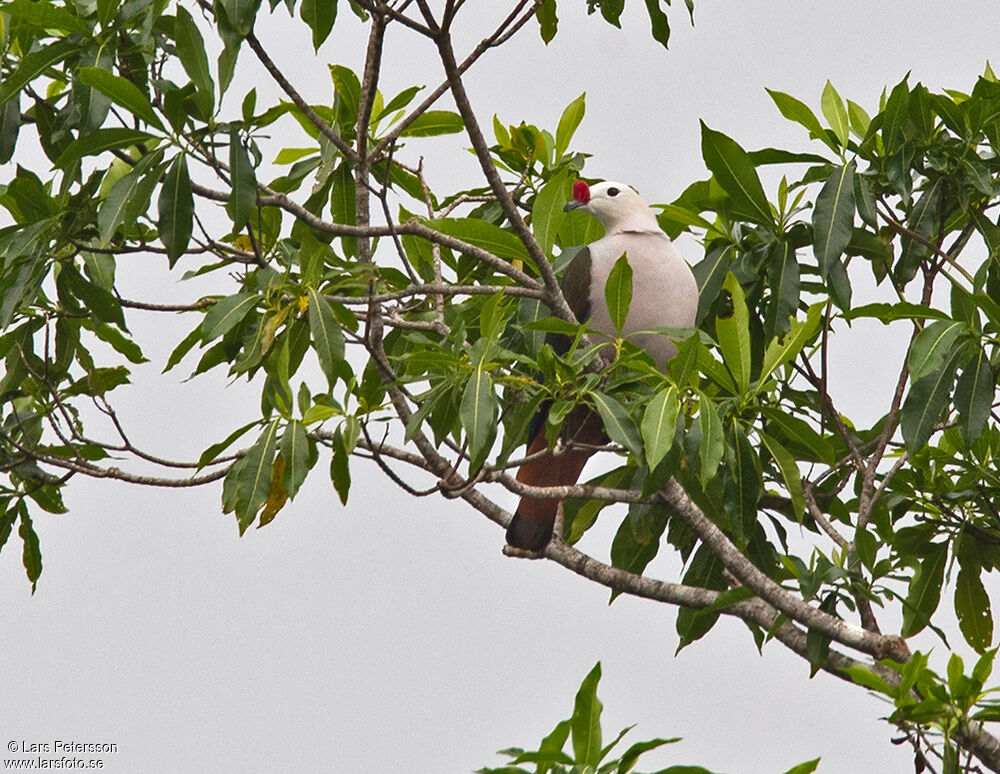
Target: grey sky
392	635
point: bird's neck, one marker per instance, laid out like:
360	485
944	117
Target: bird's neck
637	221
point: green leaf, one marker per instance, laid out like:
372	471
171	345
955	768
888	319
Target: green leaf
44	15
972	606
705	570
924	403
833	217
742	486
129	197
789	472
327	338
713	443
569	121
297	453
120	342
434	122
478	414
925	589
799	436
795	110
120	90
835	112
176	210
243	194
486	236
783	278
804	768
99	141
586	721
974	396
102	304
185	346
618	424
253	476
225	313
33	65
340	468
547	212
320	16
658	425
31	555
733	334
192	53
659	25
931	346
735	172
216	449
548	22
887	313
632	754
618	292
241	14
784	349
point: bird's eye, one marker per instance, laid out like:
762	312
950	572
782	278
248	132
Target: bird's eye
613	192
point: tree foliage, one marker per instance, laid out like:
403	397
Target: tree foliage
385	320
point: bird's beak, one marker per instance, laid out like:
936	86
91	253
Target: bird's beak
573	205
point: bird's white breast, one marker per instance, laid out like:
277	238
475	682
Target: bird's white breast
664	291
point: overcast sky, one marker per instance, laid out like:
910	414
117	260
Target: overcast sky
392	635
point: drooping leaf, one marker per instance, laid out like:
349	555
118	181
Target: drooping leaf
658	424
176	210
31	554
327	338
833	217
713	444
742	486
296	453
974	395
733	334
479	415
243	181
789	472
548	22
618	292
972	606
658	22
927	398
340	470
925	589
320	16
618	424
932	346
705	570
253	476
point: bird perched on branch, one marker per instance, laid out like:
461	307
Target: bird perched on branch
664	294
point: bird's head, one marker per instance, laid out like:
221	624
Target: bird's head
616	205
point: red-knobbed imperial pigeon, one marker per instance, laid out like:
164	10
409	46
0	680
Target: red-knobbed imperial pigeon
664	294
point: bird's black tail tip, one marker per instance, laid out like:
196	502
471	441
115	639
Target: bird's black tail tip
527	534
